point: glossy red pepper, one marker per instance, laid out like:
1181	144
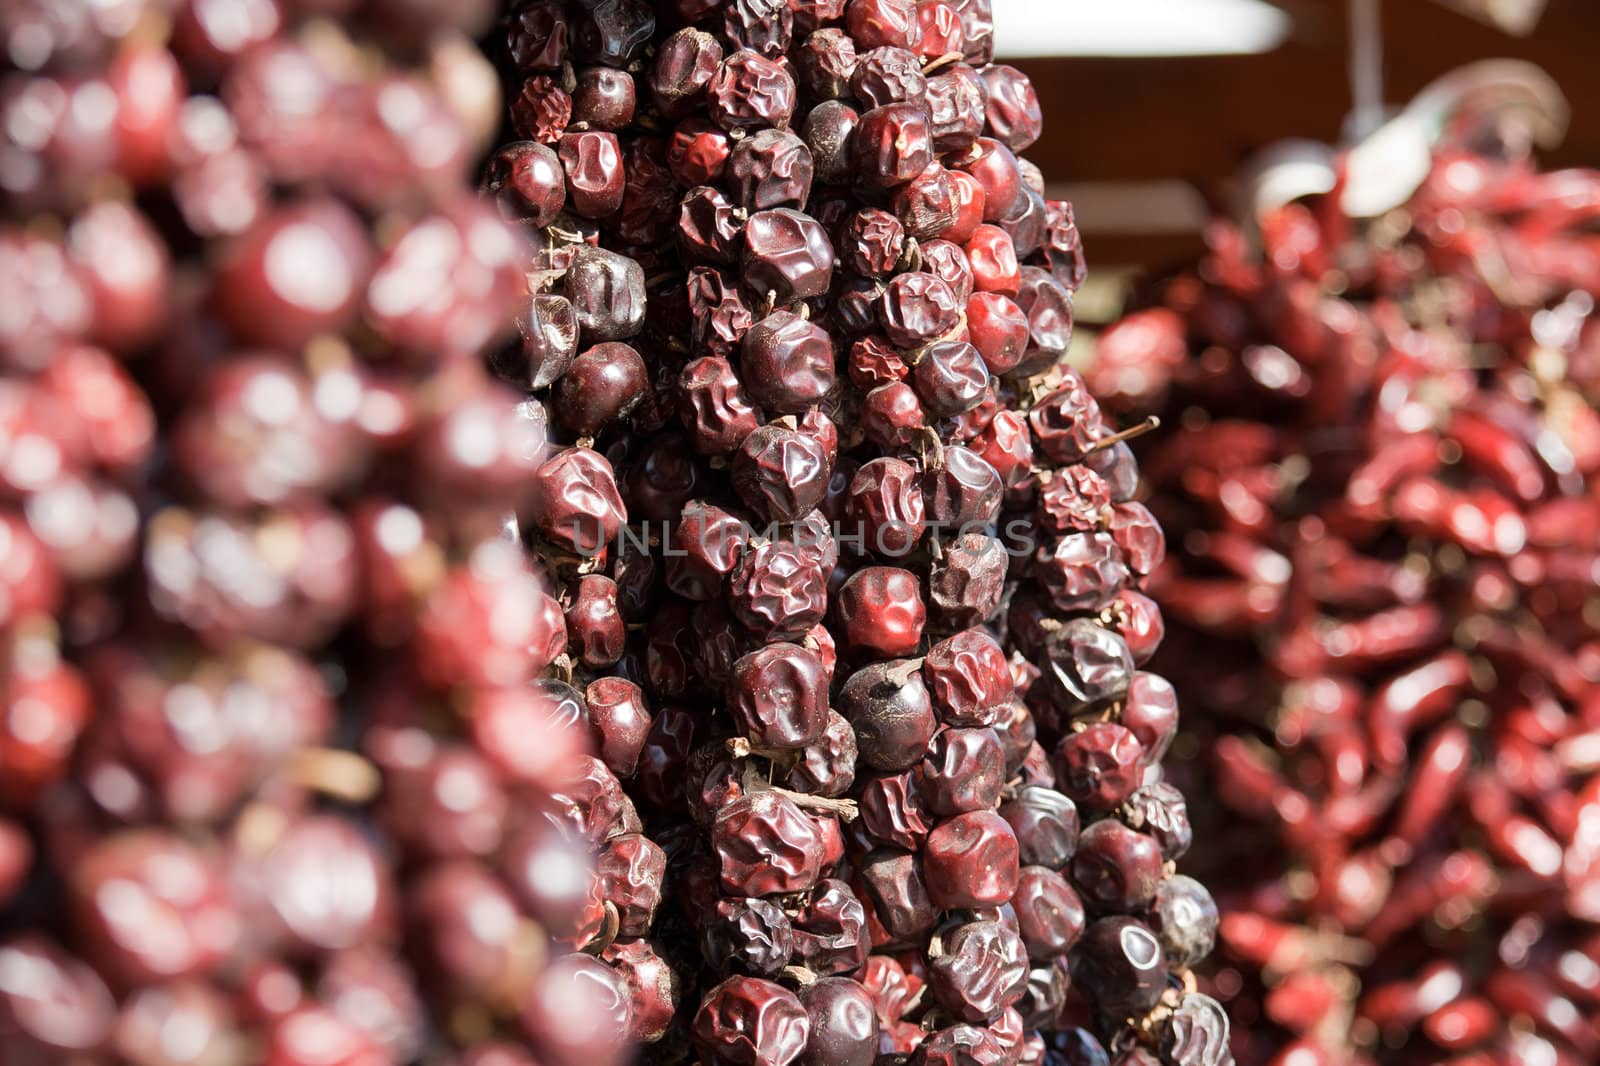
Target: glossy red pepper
1294	317
1563	523
1520	992
1539	719
1352	581
1243	557
1371	483
1244	501
1218	605
1576	970
1284	948
1522	651
1480	521
1404	1003
1356	815
1299	652
1412	700
1571	574
1345	761
1231	262
1396	634
1462	1024
1292	240
1524	843
1248	782
1218	447
1528	770
1459	881
1317	706
1557	809
1559	199
1302	1000
1356	888
1496	453
1441	767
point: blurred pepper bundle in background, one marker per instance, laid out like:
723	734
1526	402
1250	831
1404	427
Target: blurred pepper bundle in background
1381	476
253	474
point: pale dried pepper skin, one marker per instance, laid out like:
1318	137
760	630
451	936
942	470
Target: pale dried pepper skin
1375	534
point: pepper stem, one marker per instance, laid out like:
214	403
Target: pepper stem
608	931
1138	429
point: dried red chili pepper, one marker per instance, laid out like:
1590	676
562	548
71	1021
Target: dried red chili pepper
1384	521
1441	766
1413	700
